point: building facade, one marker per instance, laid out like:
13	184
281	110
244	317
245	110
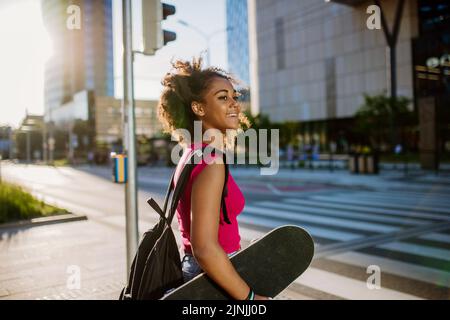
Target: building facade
83	57
431	56
315	60
92	123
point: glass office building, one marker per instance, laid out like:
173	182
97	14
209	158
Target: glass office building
237	39
83	58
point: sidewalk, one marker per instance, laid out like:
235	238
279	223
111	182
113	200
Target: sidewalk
43	262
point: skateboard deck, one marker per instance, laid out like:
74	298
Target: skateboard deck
268	265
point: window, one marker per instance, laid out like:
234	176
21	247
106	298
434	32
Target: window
280	43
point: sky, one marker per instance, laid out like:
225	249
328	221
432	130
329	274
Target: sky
26	46
207	15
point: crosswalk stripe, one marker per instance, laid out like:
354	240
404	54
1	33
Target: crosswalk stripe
417	201
372	227
357	215
348	288
434	194
369	209
417	249
398	268
315	231
440	237
426	194
352	200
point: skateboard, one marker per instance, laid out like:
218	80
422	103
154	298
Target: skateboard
268	265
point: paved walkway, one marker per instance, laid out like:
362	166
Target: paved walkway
43	262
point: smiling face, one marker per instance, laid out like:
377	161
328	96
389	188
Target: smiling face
219	109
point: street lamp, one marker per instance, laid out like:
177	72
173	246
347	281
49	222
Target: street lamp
206	37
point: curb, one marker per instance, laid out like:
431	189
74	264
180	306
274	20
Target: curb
43	221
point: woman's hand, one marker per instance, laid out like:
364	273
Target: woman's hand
258	297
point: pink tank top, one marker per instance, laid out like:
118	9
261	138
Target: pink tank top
229	238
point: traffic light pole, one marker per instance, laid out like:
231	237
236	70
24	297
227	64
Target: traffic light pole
131	208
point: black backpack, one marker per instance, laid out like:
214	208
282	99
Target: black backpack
156	267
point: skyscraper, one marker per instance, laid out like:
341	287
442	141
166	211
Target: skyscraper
237	39
83	58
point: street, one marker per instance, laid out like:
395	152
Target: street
399	226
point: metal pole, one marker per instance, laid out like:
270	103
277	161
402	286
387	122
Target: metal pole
51	140
11	144
44	143
131	209
70	145
28	147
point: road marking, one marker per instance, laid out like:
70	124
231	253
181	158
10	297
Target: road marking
352	200
440	237
273	189
364	207
416	249
395	267
315	231
348	288
346	223
339	247
331	212
413	201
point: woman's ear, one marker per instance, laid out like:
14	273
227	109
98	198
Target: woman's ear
198	109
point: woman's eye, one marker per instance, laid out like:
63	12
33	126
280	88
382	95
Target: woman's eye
225	98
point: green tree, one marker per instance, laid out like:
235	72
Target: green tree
374	117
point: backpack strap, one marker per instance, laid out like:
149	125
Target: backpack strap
193	159
156	206
225	192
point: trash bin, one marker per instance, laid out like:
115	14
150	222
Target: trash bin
119	167
353	163
372	164
362	167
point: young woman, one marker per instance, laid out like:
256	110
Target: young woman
209	238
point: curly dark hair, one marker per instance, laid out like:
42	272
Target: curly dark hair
187	82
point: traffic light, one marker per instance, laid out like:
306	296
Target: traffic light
168	10
154	37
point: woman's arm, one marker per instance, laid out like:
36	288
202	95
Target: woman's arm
205	204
